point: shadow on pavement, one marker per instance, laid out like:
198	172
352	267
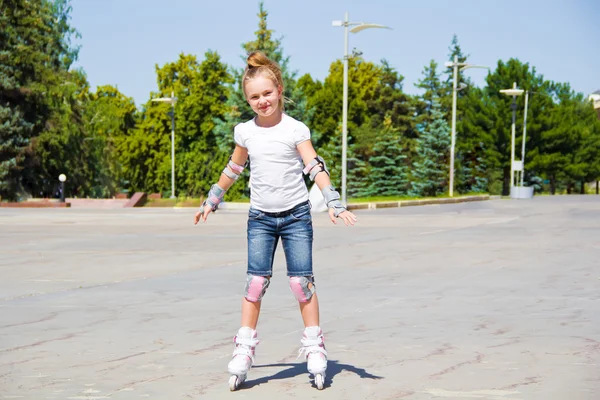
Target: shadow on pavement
333	368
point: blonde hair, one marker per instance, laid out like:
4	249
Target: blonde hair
258	64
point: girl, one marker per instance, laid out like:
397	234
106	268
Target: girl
277	145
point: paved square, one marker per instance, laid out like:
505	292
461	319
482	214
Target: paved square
488	300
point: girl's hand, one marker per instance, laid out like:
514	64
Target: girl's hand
346	216
202	214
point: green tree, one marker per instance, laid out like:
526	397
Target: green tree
59	147
430	173
203	160
433	92
146	150
364	82
389	171
201	92
563	154
35	55
109	119
590	148
498	118
473	138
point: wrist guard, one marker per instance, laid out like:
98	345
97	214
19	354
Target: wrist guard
213	198
332	199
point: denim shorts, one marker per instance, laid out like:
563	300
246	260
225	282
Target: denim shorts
294	227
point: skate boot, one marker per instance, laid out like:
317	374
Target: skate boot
313	347
243	356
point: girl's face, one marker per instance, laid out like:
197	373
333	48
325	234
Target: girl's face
263	96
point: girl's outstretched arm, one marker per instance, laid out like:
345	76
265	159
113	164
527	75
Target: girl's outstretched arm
308	154
226	180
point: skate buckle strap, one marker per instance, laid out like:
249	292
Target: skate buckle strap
309	342
311	349
251	342
312	345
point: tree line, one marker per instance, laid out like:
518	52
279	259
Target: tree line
52	122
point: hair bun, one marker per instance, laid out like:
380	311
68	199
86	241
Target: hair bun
257	59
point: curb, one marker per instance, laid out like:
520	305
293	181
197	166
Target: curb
36	204
412	203
246	206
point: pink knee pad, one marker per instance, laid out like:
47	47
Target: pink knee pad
303	287
256	286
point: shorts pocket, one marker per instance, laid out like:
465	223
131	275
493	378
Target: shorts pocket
301	213
255	214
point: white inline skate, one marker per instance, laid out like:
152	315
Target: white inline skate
313	347
243	356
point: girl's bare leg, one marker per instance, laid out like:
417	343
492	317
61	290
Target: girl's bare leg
310	311
250	313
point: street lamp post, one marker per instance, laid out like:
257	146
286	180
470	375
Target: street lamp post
357	27
514	92
455	65
171	100
524	137
62	178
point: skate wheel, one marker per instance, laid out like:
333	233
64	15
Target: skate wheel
319	381
233	382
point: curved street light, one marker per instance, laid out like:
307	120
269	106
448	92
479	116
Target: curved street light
455	66
171	100
514	92
357	27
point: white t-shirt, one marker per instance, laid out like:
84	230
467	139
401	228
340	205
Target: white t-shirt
276	182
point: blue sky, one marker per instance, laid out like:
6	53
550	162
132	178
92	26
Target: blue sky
122	40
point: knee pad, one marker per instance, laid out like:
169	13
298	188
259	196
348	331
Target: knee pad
256	286
303	287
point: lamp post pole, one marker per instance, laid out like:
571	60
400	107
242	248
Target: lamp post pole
62	178
172	148
512	140
514	92
357	27
171	100
345	113
455	65
453	142
524	137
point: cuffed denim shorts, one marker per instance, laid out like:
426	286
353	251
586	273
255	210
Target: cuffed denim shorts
294	227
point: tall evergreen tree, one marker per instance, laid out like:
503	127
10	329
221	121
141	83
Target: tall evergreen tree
499	119
434	91
389	172
430	172
561	153
472	139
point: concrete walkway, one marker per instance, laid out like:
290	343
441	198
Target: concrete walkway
495	300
